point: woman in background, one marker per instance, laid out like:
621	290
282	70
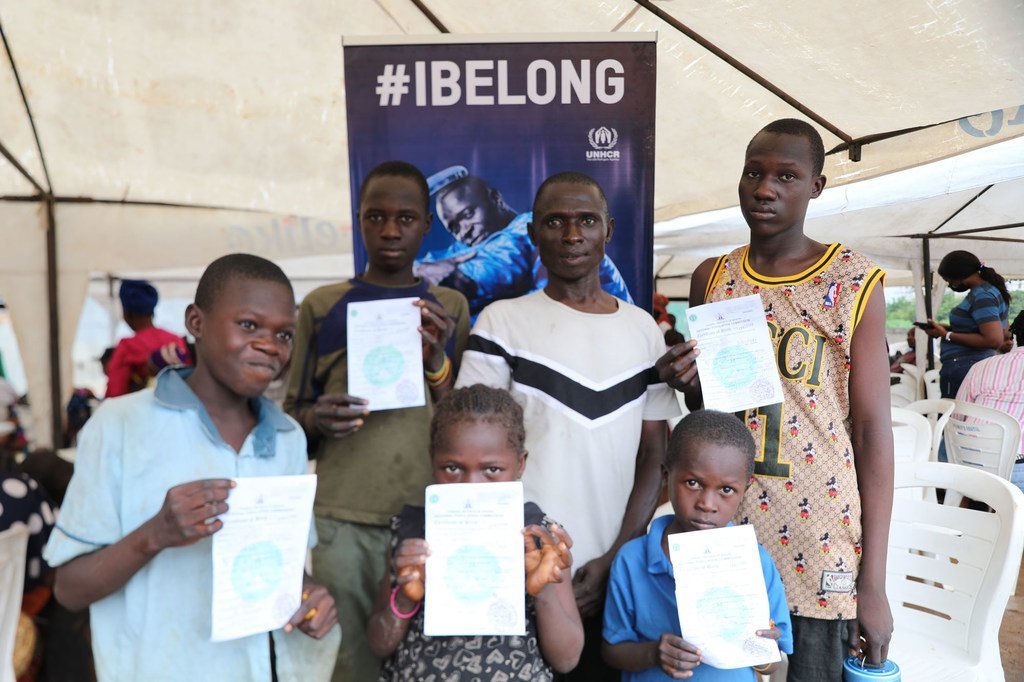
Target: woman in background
976	325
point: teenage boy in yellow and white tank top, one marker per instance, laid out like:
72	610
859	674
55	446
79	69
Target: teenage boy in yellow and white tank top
821	497
804	499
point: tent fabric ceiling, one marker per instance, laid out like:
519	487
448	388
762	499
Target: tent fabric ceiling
230	116
219	105
884	216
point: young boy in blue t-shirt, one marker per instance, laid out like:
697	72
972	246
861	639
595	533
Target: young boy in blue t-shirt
708	466
154	472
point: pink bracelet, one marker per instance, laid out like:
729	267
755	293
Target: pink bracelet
394	606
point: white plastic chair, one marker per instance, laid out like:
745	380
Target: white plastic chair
950	572
13	547
912	435
931	385
916	375
902	392
661	511
912	441
982	437
937	412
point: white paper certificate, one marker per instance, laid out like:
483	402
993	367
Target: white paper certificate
475	574
737	359
721	595
260	553
385	353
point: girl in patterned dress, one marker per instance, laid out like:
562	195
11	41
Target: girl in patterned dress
476	436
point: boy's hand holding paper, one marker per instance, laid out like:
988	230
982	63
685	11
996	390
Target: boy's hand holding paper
436	328
190	512
675	655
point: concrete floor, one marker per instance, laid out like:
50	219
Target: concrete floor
1011	635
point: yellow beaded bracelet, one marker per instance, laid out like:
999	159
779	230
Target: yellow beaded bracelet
438	378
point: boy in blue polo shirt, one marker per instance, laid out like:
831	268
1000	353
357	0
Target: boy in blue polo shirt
153	473
708	466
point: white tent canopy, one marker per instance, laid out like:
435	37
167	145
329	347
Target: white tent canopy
888	217
156	135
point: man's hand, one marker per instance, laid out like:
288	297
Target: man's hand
435	272
436	329
588	585
871	631
316	614
545	563
678	366
410	566
677	657
189	513
336	415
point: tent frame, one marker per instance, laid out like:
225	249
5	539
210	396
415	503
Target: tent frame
43	193
47	198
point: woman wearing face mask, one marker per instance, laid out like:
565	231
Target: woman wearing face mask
976	325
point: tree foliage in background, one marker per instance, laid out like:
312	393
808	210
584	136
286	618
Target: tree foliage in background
899	314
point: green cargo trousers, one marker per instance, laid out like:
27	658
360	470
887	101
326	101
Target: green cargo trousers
350	560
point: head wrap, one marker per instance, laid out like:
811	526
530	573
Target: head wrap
441	179
138	297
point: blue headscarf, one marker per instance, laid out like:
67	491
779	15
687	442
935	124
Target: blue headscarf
138	297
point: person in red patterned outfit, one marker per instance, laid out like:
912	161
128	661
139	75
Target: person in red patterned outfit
830	488
129	368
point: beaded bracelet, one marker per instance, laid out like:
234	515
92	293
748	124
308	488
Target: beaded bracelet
394	606
438	378
758	668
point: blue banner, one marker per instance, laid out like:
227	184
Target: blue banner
487	123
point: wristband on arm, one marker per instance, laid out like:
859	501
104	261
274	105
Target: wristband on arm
440	377
394	606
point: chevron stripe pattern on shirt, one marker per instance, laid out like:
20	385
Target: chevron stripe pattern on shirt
565	389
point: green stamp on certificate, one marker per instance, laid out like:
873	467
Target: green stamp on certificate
383	365
718	600
256	570
734	366
472	573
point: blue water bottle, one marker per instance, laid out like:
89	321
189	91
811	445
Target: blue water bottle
858	670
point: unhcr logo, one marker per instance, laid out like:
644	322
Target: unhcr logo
603	141
603	138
